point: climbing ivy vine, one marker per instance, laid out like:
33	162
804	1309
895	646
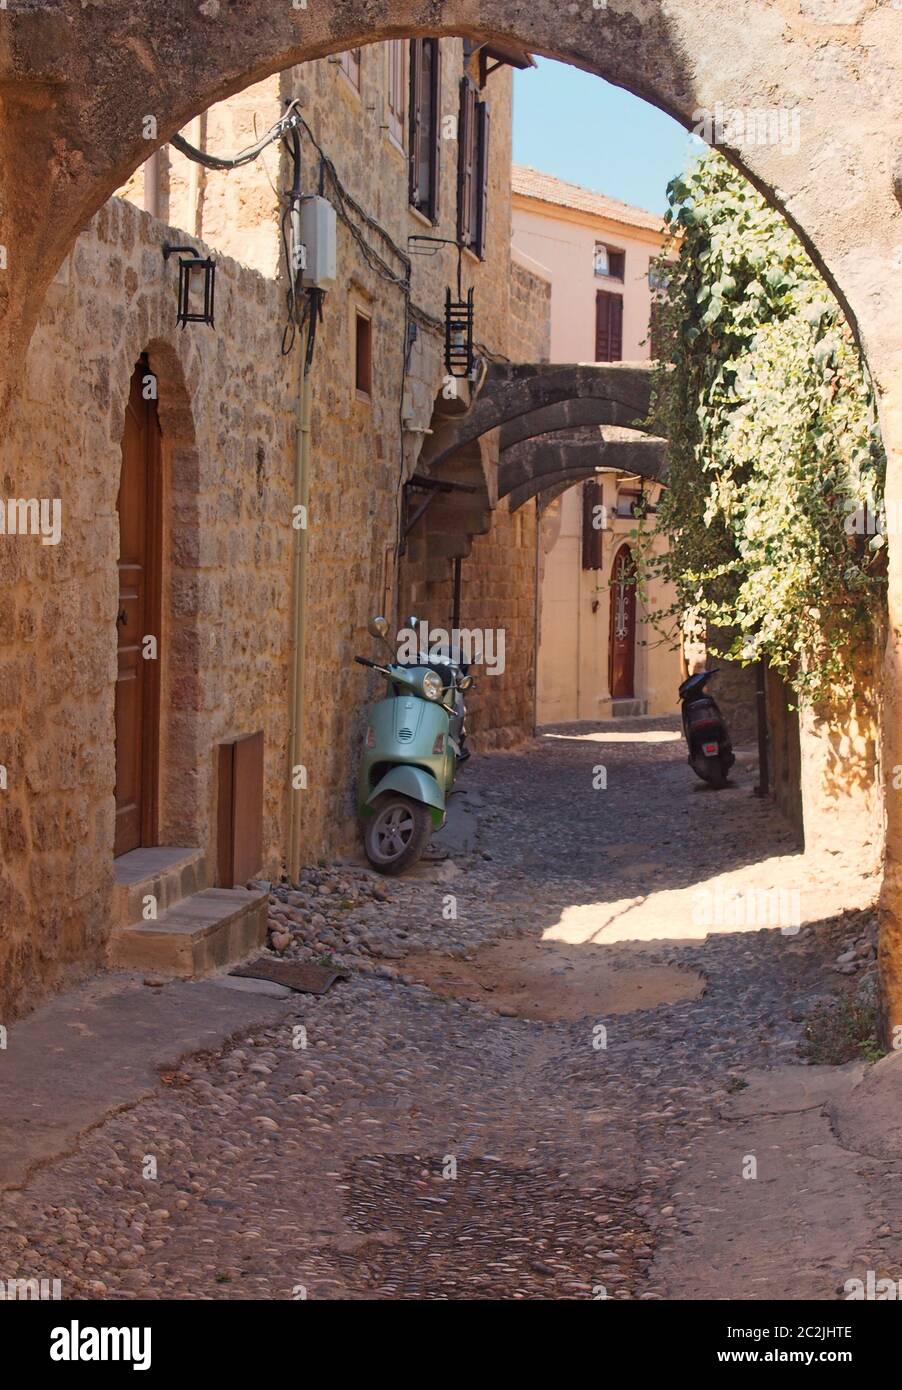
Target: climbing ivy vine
776	465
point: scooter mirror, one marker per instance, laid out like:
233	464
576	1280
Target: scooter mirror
412	621
377	627
465	683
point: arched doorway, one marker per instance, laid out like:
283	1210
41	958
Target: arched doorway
139	508
622	629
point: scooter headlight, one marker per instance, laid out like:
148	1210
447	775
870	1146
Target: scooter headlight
432	685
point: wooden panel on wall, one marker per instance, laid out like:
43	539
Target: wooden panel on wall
240	810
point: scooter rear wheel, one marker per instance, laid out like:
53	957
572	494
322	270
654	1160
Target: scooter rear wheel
397	833
711	770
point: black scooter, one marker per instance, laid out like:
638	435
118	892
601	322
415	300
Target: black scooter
710	750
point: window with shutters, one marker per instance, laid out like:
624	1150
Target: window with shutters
395	103
472	169
349	63
608	326
425	125
610	261
593	526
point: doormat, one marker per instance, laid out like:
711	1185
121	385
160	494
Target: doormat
297	975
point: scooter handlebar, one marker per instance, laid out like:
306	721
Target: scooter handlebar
365	661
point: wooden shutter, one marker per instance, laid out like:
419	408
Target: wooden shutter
593	496
616	327
608	326
465	162
482	143
416	81
435	96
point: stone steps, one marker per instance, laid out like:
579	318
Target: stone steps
207	931
166	873
627	709
195	929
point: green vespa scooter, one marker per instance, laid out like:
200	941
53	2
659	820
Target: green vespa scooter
412	748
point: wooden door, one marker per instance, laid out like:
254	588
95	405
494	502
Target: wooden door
138	617
622	636
240	816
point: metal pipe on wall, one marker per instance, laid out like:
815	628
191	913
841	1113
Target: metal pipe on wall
152	184
195	136
299	609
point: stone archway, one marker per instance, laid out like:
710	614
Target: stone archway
535	464
541	396
89	91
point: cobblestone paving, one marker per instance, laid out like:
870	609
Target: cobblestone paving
427	1147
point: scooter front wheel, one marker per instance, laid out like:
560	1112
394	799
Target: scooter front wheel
397	833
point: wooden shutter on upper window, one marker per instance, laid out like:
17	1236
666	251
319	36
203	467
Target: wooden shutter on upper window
416	80
482	163
466	162
425	125
593	496
436	104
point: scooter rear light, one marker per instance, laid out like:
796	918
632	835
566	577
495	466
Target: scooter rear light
710	749
371	737
439	745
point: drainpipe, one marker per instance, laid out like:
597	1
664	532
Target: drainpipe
455	616
195	137
298	609
763	787
152	184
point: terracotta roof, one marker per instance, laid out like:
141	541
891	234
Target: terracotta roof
530	183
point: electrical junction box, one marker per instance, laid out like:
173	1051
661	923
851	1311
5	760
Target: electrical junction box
319	234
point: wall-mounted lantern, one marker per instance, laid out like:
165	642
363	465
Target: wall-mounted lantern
459	356
190	263
459	334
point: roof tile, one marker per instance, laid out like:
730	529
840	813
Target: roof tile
530	183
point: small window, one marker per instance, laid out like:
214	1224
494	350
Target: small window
395	97
363	356
349	62
610	262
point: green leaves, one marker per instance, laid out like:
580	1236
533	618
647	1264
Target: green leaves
773	444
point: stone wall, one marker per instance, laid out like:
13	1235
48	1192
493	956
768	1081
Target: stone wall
825	771
530	311
226	413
